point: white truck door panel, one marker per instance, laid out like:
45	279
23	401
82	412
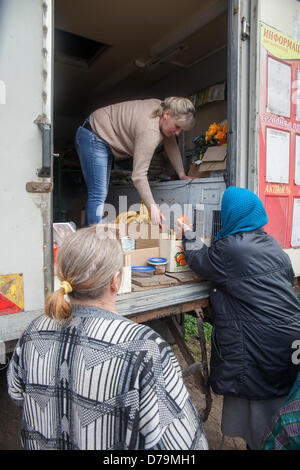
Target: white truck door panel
264	127
25	156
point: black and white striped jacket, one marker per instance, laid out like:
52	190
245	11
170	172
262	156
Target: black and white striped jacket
102	382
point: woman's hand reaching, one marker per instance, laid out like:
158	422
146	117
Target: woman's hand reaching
183	176
156	215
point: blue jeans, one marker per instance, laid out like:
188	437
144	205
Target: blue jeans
96	160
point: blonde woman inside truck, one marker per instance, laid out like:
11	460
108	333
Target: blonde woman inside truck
133	128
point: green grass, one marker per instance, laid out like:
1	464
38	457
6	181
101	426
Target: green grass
191	328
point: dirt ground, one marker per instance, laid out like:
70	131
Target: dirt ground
10	414
212	426
10	418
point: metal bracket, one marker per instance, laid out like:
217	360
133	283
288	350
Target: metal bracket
2	352
45	127
37	187
245	29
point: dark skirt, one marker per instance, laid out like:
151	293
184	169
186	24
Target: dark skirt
248	419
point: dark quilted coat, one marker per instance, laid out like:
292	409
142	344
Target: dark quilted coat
256	313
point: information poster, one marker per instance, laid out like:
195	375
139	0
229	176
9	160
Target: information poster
279	87
297	161
278	156
279	134
296	224
296	93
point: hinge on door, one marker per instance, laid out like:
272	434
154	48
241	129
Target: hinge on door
245	29
39	187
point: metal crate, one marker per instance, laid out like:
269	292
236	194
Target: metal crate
202	196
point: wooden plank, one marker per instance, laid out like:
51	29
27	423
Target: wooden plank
135	288
135	302
157	280
188	276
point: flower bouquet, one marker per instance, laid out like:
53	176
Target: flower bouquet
215	135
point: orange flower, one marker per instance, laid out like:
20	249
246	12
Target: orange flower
212	130
217	132
225	127
220	135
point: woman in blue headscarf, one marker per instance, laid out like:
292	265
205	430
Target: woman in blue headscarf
256	315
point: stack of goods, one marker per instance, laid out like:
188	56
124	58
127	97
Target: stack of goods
138	236
160	168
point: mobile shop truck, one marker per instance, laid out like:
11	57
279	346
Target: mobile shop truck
60	61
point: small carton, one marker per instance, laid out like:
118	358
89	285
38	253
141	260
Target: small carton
61	230
125	286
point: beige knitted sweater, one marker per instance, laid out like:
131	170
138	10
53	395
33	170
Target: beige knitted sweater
130	130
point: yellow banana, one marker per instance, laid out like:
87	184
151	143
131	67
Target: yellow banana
146	212
130	214
120	217
123	216
142	219
131	219
143	208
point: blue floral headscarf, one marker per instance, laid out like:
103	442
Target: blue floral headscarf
241	211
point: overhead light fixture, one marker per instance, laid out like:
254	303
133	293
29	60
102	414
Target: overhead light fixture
152	62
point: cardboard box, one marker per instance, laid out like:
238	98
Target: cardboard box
214	159
146	241
194	170
140	257
173	250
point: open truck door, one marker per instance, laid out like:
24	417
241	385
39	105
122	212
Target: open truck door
264	112
26	175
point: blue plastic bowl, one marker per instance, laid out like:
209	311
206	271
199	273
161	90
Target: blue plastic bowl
157	261
142	268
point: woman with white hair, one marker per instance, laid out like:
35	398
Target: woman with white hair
133	128
89	378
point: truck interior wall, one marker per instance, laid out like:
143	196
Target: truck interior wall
73	188
182	80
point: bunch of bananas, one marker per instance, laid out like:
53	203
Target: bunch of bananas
140	217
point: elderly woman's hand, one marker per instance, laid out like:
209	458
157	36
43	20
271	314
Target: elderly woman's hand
182	226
